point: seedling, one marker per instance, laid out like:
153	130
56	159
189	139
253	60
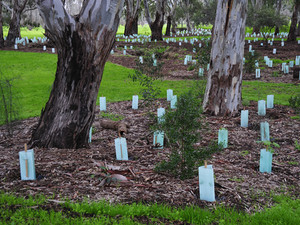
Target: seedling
269	145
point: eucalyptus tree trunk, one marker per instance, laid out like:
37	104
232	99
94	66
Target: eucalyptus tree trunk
131	17
1	27
257	5
83	45
171	17
278	5
169	24
14	25
188	23
158	23
292	37
223	89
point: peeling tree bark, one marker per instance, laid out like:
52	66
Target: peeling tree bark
83	46
131	17
292	37
223	89
1	27
156	25
14	25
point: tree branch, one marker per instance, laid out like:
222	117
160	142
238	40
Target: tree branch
137	7
100	14
7	7
55	17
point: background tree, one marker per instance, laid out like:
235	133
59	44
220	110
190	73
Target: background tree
223	88
132	15
158	23
1	26
293	28
83	45
265	20
204	13
14	25
171	5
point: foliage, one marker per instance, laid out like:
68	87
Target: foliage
265	19
203	53
204	13
250	59
181	127
297	145
146	73
9	105
294	102
269	145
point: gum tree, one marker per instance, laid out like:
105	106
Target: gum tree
223	89
292	37
158	23
83	45
132	14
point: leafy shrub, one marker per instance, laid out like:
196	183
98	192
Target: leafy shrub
294	102
181	127
250	60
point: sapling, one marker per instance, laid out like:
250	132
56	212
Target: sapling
269	145
9	105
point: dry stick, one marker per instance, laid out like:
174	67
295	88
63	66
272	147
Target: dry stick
205	164
26	161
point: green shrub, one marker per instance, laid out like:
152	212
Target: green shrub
181	127
250	59
294	102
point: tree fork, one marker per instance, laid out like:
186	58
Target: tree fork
83	47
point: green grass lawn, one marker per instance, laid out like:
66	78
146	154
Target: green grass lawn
36	72
17	210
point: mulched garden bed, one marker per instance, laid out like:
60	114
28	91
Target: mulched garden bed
80	173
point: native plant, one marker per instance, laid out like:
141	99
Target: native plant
294	102
269	145
146	72
250	59
9	106
182	129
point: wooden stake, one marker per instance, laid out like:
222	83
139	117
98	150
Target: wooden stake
121	146
155	140
26	161
205	164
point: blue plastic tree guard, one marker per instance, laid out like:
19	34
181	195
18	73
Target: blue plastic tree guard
206	183
223	137
102	103
27	158
264	131
174	102
158	139
244	118
135	102
265	162
261	107
121	149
